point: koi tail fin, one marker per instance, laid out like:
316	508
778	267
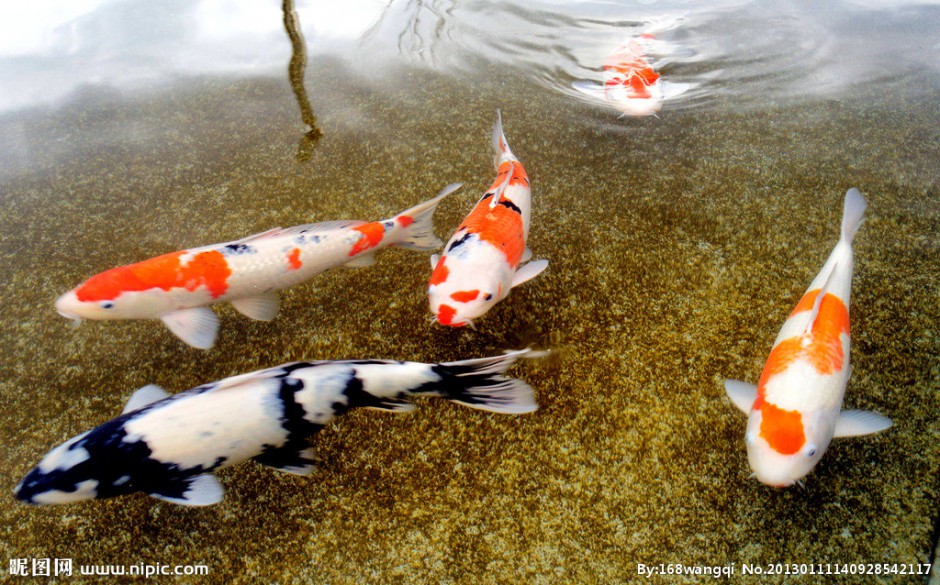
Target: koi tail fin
852	214
479	383
419	223
500	146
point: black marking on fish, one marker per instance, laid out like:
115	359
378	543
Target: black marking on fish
287	455
288	369
510	205
237	249
357	397
486	196
455	381
371	362
460	242
112	458
293	420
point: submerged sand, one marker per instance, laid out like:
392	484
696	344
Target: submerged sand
677	248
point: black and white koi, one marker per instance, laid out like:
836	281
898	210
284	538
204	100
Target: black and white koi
168	446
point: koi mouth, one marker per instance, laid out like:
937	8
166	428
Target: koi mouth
75	318
72	316
447	318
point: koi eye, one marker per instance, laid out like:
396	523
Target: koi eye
811	450
107	305
488	296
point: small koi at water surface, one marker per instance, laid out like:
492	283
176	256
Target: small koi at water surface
630	83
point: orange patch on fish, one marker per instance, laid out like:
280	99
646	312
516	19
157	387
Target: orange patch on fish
639	87
821	347
465	296
293	259
405	220
440	273
630	68
500	226
518	175
445	315
166	272
782	429
372	233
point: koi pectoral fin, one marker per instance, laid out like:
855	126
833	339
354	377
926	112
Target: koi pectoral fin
200	490
741	394
197	326
528	271
290	459
361	261
589	89
856	423
262	307
393	405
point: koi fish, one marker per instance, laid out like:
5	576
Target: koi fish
481	262
630	83
169	446
177	287
796	408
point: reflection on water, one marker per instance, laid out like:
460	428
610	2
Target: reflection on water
296	69
749	52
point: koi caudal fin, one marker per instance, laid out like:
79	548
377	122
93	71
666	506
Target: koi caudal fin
852	213
419	233
500	146
479	383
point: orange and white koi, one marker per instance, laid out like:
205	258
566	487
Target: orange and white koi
177	287
630	83
483	260
796	408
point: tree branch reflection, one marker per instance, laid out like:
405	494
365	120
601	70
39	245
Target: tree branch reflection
298	64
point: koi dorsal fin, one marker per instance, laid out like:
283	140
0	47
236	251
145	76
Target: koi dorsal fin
817	303
307	228
498	193
236	381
